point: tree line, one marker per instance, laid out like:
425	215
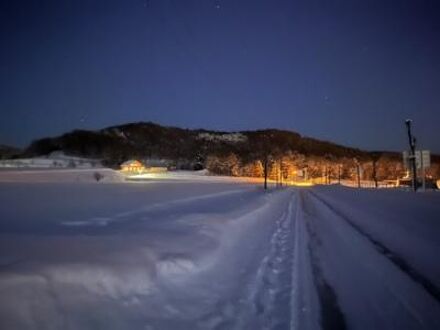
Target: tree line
274	152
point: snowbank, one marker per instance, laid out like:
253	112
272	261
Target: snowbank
58	265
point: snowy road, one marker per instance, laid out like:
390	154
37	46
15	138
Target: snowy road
217	256
365	283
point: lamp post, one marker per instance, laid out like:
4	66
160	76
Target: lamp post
412	155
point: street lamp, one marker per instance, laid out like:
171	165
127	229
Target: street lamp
412	156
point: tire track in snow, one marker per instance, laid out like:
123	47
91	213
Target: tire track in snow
397	260
331	313
123	216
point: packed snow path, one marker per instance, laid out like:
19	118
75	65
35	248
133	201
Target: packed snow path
217	256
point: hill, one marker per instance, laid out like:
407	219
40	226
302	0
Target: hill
7	152
139	140
199	148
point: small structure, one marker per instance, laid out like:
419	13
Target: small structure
155	165
132	166
157	169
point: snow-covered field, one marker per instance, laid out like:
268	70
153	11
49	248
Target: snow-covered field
183	254
53	160
32	176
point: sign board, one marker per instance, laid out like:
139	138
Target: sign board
426	158
423	159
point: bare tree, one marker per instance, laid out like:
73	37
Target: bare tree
375	156
98	176
264	152
358	172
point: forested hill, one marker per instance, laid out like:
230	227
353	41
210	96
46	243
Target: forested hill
216	150
140	140
7	152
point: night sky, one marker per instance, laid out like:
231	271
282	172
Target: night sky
347	71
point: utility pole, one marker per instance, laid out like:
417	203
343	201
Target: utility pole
412	156
423	171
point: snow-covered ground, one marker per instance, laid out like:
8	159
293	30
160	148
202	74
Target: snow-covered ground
61	175
182	254
194	176
53	160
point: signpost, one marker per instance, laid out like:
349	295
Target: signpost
422	157
425	158
422	160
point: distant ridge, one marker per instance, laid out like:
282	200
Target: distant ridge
9	151
147	139
190	148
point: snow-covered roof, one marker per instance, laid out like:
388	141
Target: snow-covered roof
156	162
132	162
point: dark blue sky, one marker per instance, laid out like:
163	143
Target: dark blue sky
348	71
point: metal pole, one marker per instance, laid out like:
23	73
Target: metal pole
423	170
412	157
